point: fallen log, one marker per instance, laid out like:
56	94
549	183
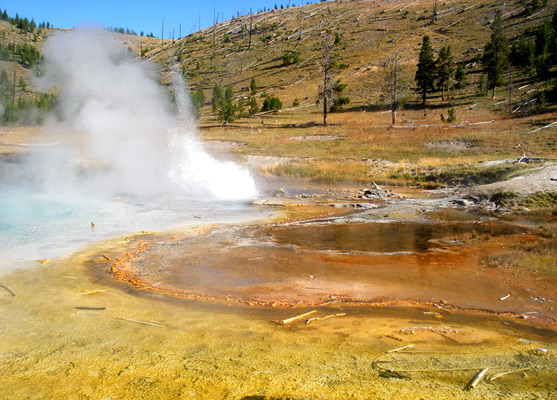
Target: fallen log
544	127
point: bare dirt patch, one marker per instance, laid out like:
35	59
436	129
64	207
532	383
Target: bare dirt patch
449	146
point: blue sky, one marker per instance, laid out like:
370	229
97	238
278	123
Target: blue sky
139	15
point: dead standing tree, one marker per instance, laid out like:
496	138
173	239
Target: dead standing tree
327	92
394	90
393	78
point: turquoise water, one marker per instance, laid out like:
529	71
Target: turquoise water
38	226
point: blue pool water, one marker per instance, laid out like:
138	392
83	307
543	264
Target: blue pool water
38	226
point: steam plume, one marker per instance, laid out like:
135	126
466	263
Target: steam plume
118	133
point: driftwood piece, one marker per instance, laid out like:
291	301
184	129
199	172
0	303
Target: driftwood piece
497	376
476	379
10	291
90	308
297	317
309	321
155	324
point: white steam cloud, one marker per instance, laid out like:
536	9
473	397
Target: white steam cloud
117	133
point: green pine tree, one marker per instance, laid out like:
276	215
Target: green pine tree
445	70
218	96
226	111
426	73
460	77
496	55
253	87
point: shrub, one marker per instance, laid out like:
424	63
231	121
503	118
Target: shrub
271	103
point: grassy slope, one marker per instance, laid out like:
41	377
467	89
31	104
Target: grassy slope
370	32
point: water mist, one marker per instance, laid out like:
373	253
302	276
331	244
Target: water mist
120	135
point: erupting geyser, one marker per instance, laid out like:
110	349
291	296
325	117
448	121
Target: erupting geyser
118	133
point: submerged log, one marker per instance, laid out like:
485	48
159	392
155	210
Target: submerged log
309	321
10	291
297	317
476	379
496	376
400	348
155	324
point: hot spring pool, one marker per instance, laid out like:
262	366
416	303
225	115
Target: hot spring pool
39	226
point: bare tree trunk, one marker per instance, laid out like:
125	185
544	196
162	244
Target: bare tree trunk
394	104
249	44
510	89
325	95
301	21
325	111
214	26
13	93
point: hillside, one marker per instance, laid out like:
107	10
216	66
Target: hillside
360	144
370	33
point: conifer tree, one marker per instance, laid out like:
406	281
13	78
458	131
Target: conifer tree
226	111
496	55
253	107
445	70
426	73
460	77
218	96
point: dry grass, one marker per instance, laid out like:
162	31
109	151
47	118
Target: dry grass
421	150
539	257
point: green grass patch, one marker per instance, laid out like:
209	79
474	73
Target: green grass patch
541	200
